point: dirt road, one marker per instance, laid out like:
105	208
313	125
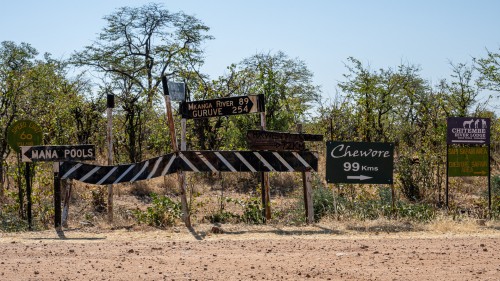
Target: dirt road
269	253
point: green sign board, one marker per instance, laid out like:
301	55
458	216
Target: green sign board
24	133
468	161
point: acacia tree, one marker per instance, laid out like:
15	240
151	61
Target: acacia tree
134	50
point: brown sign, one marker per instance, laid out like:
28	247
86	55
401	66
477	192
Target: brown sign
270	140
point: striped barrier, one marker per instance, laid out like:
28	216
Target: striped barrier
192	161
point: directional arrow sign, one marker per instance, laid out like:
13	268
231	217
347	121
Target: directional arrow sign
468	161
468	130
222	107
57	153
360	177
359	162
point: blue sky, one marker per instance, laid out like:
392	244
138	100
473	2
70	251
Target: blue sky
384	33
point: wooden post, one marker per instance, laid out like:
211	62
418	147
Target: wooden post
447	179
109	139
20	193
307	186
489	184
28	194
68	186
180	174
266	192
57	197
335	202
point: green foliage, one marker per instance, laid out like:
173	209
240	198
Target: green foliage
164	212
495	197
369	208
251	212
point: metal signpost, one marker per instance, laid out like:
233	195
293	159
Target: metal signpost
24	132
468	150
359	162
222	107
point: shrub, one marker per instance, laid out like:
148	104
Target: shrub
163	213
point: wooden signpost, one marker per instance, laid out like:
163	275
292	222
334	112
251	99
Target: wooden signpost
56	154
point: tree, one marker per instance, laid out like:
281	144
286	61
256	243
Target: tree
287	86
16	61
289	94
462	92
489	68
136	48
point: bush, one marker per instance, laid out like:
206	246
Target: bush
369	209
163	213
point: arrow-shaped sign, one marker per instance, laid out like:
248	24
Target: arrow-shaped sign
57	153
222	107
360	177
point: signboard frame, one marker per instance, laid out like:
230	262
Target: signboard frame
360	162
468	161
468	130
58	153
222	107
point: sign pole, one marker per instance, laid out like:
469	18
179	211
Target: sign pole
28	194
67	187
266	194
20	189
109	139
307	186
489	183
447	177
57	197
180	174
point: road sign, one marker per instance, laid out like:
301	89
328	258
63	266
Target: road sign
359	162
57	153
468	130
192	161
468	161
24	132
270	140
222	107
177	91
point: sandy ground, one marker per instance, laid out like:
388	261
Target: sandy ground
249	253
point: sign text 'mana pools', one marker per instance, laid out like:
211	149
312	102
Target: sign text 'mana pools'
56	153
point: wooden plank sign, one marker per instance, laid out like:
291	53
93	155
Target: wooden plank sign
222	107
271	140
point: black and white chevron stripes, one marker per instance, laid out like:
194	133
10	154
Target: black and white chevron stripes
102	175
193	161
